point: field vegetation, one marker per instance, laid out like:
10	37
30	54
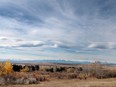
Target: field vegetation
57	73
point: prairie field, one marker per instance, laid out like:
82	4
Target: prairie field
58	75
111	82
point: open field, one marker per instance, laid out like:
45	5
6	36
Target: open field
73	83
57	75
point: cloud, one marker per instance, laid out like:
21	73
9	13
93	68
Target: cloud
14	43
103	45
30	44
73	27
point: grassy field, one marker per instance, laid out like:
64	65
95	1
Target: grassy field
73	83
91	75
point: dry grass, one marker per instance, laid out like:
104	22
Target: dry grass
60	76
73	83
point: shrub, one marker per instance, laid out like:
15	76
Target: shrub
83	76
106	74
26	69
1	68
70	70
72	76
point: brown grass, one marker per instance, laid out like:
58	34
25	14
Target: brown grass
93	75
73	83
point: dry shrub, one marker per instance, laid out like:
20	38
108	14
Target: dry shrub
64	75
83	76
60	75
24	80
72	76
0	73
26	69
39	77
57	75
106	74
1	68
1	65
44	68
20	74
111	73
70	70
20	78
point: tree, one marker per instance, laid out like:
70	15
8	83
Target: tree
8	68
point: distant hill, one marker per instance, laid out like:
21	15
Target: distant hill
50	61
56	61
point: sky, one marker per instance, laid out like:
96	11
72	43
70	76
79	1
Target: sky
76	30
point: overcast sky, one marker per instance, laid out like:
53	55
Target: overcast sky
58	29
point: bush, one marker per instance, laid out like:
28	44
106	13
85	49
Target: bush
83	76
26	69
106	74
70	70
72	76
